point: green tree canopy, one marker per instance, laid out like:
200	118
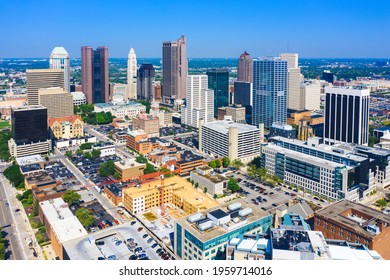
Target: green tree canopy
225	162
117	176
69	154
382	203
107	168
217	163
85	217
96	153
141	159
233	185
71	197
4	150
212	164
86	146
2	245
149	169
13	174
237	163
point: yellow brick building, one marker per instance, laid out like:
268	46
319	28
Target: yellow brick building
177	191
66	127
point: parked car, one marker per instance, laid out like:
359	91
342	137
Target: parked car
140	229
154	245
133	223
145	235
150	240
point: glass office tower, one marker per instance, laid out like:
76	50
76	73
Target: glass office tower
218	80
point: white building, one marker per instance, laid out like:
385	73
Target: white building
59	59
229	139
29	149
65	143
207	179
106	149
130	109
294	80
311	95
78	98
131	75
200	101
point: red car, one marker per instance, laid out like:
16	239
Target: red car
116	221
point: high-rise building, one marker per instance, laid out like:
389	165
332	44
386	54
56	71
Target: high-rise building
59	59
58	102
311	95
269	91
229	139
94	74
294	81
145	77
131	75
218	80
200	101
29	124
243	92
175	69
346	115
42	78
245	68
328	76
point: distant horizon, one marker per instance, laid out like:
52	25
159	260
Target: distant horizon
47	58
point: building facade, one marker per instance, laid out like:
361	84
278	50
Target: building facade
311	95
204	177
59	59
218	81
145	76
129	170
346	115
58	102
131	75
245	68
66	127
78	98
200	101
42	78
94	74
269	91
148	124
229	139
175	69
130	109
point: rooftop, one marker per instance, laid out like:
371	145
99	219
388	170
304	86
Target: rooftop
29	160
234	221
40	179
223	126
129	163
126	104
59	51
28	108
65	225
114	189
70	119
358	217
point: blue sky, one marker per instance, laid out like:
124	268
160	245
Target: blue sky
313	28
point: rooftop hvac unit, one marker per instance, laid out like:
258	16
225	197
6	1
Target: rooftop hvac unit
196	217
234	206
245	212
205	225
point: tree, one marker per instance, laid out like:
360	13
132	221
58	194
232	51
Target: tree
252	170
256	162
69	154
47	158
237	163
215	196
212	164
205	190
192	182
88	155
141	159
35	211
71	197
217	163
381	203
196	185
233	185
107	168
149	169
4	150
96	153
225	162
117	176
2	245
85	217
13	174
86	146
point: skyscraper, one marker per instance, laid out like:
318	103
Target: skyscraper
346	115
269	91
294	80
175	69
59	59
42	78
94	74
245	68
145	77
58	102
29	124
131	75
200	101
218	80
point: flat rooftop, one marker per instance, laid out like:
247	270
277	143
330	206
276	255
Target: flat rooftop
39	179
129	163
354	216
223	126
65	225
29	160
216	231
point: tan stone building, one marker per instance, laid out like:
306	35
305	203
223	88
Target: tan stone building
66	127
58	102
147	123
129	169
42	78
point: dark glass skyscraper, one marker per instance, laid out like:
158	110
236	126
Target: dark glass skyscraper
94	74
218	80
145	76
29	124
346	115
269	91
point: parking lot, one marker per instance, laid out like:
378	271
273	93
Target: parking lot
192	142
58	171
103	129
90	167
173	130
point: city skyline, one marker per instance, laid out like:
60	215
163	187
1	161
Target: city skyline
258	28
